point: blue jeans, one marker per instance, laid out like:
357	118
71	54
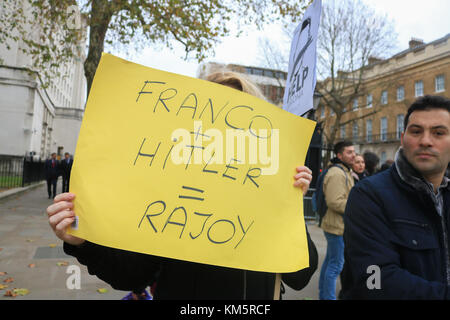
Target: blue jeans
331	267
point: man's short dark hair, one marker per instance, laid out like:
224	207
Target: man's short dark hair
425	103
341	145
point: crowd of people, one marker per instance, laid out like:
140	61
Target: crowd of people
386	229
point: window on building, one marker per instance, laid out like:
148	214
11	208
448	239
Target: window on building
384	97
322	112
281	75
280	93
355	104
369	100
418	88
400	93
268	73
383	129
400	125
355	131
343	131
369	130
383	157
258	72
440	83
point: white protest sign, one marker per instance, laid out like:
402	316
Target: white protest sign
301	80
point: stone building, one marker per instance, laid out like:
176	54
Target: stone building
34	120
374	120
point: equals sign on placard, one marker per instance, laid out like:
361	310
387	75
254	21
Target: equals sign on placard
192	197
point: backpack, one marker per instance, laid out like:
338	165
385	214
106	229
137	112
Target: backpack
319	204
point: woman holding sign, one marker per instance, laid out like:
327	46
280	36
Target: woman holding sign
176	279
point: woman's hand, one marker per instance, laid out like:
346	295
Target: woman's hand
61	216
303	178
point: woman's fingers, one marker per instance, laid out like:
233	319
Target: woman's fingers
67	196
304	169
59	206
61	227
303	175
57	218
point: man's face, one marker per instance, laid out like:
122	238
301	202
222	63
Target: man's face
53	156
66	156
426	141
347	156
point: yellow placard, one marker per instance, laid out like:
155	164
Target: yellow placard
188	169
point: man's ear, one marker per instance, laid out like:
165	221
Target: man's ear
339	156
401	138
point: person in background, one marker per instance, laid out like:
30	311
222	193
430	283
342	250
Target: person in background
176	279
66	167
51	168
337	184
359	168
371	161
386	165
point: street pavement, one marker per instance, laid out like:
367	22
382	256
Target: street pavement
31	256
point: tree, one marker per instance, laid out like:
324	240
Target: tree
198	25
351	37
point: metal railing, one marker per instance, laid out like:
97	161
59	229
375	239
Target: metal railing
18	172
308	212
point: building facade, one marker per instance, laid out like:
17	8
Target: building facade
374	120
37	121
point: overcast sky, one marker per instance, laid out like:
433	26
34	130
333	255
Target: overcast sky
427	20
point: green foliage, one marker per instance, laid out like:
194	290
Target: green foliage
42	26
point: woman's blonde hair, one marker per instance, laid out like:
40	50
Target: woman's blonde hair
235	81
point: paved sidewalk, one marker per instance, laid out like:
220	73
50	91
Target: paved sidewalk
27	239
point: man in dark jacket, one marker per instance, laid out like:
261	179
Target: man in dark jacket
51	175
66	167
397	222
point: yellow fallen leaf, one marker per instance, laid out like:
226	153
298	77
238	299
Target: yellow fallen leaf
52	245
62	263
2	273
8	280
31	265
29	240
21	291
9	293
3	286
102	290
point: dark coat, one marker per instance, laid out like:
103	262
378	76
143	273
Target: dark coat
389	224
65	167
176	279
50	171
